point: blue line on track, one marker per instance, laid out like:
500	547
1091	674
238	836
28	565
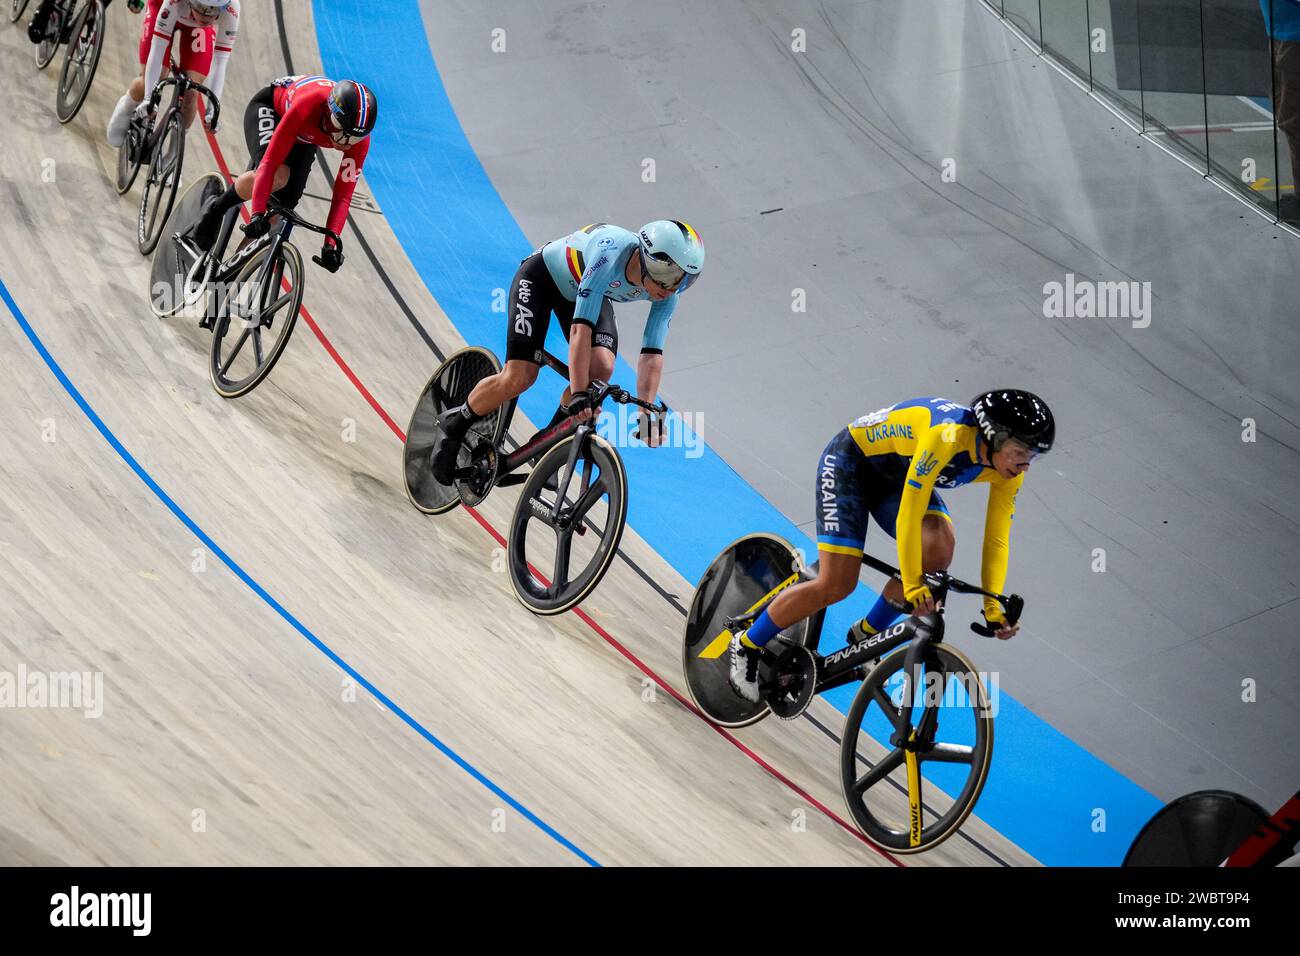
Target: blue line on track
261	592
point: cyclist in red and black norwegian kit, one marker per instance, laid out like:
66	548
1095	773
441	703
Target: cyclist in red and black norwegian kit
283	125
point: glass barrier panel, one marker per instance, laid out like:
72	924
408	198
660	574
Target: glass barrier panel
1173	74
1114	63
1024	14
1066	34
1239	98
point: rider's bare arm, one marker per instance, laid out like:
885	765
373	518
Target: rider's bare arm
579	357
649	370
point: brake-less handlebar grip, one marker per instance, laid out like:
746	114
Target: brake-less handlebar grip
1014	605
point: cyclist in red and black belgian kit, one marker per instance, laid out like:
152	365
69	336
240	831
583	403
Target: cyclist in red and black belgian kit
283	125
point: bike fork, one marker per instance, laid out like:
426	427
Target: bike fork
583	430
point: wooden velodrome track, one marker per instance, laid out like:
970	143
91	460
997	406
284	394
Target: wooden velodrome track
217	708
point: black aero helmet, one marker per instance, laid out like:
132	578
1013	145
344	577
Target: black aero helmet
1010	413
353	108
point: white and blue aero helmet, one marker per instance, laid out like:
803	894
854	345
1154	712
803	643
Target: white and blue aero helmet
672	252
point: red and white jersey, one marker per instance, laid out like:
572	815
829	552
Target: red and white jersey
225	18
217	30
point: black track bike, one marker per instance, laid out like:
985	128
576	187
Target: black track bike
159	145
911	683
248	299
573	507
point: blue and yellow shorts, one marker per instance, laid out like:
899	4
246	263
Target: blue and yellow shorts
849	488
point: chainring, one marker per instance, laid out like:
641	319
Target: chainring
791	682
478	485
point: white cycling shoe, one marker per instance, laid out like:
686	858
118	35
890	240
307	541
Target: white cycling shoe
120	120
744	670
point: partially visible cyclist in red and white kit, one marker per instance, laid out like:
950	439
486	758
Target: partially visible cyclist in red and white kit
283	125
207	34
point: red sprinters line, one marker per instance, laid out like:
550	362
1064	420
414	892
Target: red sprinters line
582	615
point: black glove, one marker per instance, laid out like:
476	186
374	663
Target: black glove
258	226
583	401
651	424
579	403
331	258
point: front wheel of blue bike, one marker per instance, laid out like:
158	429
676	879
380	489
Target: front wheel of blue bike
563	536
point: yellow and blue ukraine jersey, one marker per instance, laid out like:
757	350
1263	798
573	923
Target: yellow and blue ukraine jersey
917	447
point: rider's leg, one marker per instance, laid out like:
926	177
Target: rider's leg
533	295
843	492
937	545
494	391
486	397
121	116
837	575
190	108
134	96
259	125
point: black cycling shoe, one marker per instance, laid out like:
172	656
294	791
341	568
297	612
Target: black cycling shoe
204	231
444	460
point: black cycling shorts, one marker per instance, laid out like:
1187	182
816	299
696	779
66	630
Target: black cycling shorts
533	297
260	119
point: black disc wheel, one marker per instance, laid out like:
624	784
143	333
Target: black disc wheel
175	282
742	579
447	389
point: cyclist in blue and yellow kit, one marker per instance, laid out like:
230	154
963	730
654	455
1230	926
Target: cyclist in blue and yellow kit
888	465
